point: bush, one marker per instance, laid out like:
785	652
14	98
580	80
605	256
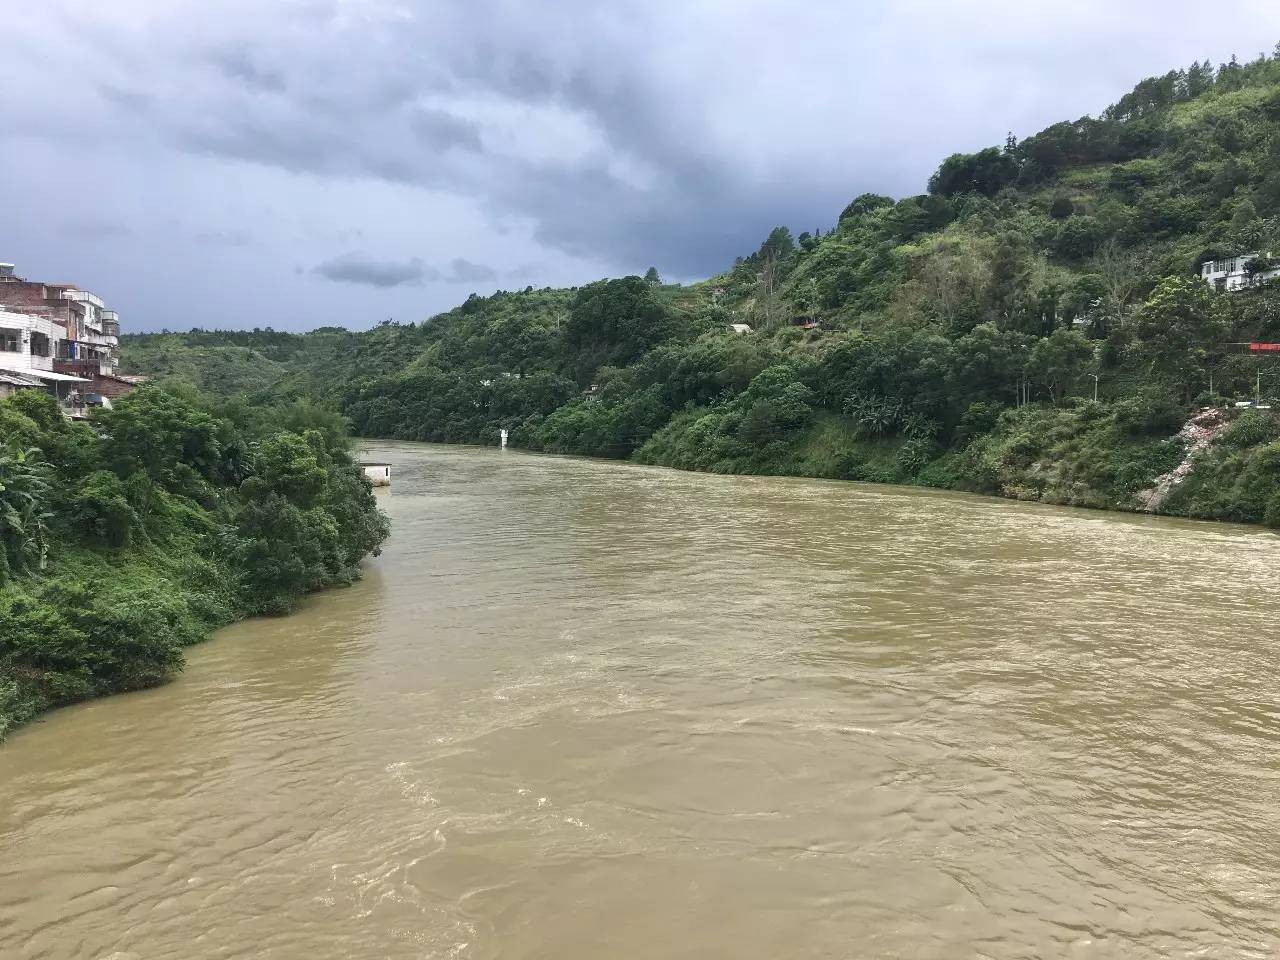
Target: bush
99	507
1061	208
17	706
1251	428
1150	414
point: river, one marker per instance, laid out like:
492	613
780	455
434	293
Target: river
590	710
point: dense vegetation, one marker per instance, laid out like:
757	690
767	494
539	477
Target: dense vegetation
125	540
1032	326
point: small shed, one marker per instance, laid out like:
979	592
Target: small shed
379	474
740	327
11	383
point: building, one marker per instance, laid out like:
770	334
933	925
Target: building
62	336
11	383
27	348
739	328
1238	273
379	474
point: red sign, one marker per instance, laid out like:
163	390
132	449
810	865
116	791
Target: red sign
1264	348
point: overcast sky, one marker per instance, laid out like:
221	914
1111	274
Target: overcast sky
297	163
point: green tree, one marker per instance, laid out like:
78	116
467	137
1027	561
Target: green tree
1010	272
1174	330
162	435
986	172
614	322
864	204
777	246
987	364
1058	361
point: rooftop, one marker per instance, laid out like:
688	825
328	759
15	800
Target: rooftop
45	375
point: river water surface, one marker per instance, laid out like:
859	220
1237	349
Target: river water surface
588	710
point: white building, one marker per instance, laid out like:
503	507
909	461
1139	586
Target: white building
28	348
63	336
28	342
88	333
379	474
1234	273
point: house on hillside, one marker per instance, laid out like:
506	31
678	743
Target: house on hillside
1239	273
62	337
27	348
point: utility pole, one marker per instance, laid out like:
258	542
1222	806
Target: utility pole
1095	387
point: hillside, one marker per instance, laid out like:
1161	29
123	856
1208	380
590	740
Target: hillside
954	339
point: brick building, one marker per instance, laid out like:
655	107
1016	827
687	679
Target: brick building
61	335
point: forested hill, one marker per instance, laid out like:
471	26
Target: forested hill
955	338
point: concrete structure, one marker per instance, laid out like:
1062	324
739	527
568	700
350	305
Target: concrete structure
379	474
91	332
27	348
740	328
11	383
1234	273
28	342
62	336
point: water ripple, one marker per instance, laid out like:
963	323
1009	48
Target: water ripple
581	709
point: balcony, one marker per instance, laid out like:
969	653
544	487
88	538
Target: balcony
82	296
84	366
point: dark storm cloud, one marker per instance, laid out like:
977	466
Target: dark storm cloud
549	117
369	271
241	65
589	137
464	271
355	268
441	130
124	98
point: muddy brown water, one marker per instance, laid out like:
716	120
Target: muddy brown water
591	710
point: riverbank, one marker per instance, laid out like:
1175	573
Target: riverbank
125	542
1110	458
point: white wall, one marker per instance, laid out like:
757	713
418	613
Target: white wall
379	474
23	360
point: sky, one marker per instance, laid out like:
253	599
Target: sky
303	163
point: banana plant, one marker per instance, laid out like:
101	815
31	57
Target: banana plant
24	517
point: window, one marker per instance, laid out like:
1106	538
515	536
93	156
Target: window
39	345
10	341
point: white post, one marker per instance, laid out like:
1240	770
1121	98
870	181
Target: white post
503	437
